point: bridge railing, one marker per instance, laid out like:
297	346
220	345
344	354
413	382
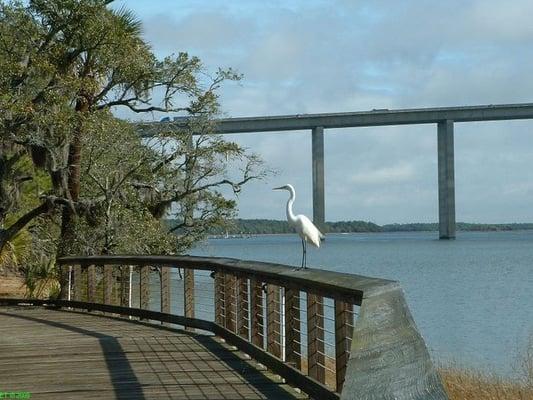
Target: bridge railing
333	335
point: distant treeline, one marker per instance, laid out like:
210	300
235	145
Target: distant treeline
269	226
461	226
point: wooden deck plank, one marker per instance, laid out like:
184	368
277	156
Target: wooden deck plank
176	391
233	392
60	354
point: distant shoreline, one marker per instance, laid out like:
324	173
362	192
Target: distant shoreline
251	235
246	227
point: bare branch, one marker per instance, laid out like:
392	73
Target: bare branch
102	188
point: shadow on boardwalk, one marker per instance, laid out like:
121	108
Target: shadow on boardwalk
77	355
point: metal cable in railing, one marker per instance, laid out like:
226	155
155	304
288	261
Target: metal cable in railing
299	324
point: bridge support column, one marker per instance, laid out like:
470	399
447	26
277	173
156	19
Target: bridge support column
446	180
318	177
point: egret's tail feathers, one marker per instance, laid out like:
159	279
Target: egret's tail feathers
315	241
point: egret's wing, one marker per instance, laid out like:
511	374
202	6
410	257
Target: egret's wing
309	230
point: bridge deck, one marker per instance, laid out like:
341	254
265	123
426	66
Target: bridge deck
57	354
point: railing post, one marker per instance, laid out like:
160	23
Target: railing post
273	320
165	289
220	301
343	339
130	294
292	328
91	284
188	294
230	302
315	338
125	286
78	288
108	284
382	356
69	281
243	318
64	275
256	313
144	301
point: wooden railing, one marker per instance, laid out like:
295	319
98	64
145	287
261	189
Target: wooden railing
333	335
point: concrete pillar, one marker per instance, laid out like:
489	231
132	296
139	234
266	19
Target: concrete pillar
318	177
446	180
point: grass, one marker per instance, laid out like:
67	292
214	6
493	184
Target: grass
463	384
470	385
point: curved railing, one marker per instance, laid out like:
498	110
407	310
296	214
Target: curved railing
333	335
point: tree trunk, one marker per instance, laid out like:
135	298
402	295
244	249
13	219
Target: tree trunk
67	235
74	167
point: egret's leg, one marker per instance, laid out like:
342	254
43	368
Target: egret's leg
303	253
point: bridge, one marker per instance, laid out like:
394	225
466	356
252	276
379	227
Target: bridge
443	117
129	328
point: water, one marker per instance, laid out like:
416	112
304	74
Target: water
471	298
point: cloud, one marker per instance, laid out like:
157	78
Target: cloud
212	31
399	173
340	55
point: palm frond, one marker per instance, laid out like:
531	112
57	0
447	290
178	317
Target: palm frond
17	250
128	21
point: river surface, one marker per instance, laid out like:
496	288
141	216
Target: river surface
472	298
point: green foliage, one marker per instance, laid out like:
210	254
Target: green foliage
268	226
17	251
412	227
64	66
352	226
41	279
461	226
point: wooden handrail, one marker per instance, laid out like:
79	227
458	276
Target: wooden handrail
332	284
260	308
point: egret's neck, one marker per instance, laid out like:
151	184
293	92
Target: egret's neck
290	215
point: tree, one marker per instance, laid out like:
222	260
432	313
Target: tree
142	182
64	66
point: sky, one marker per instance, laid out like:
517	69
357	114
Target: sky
314	56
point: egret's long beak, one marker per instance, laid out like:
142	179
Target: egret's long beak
278	188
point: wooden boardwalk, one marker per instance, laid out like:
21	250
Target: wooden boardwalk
57	354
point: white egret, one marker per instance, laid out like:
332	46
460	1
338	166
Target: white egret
303	225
